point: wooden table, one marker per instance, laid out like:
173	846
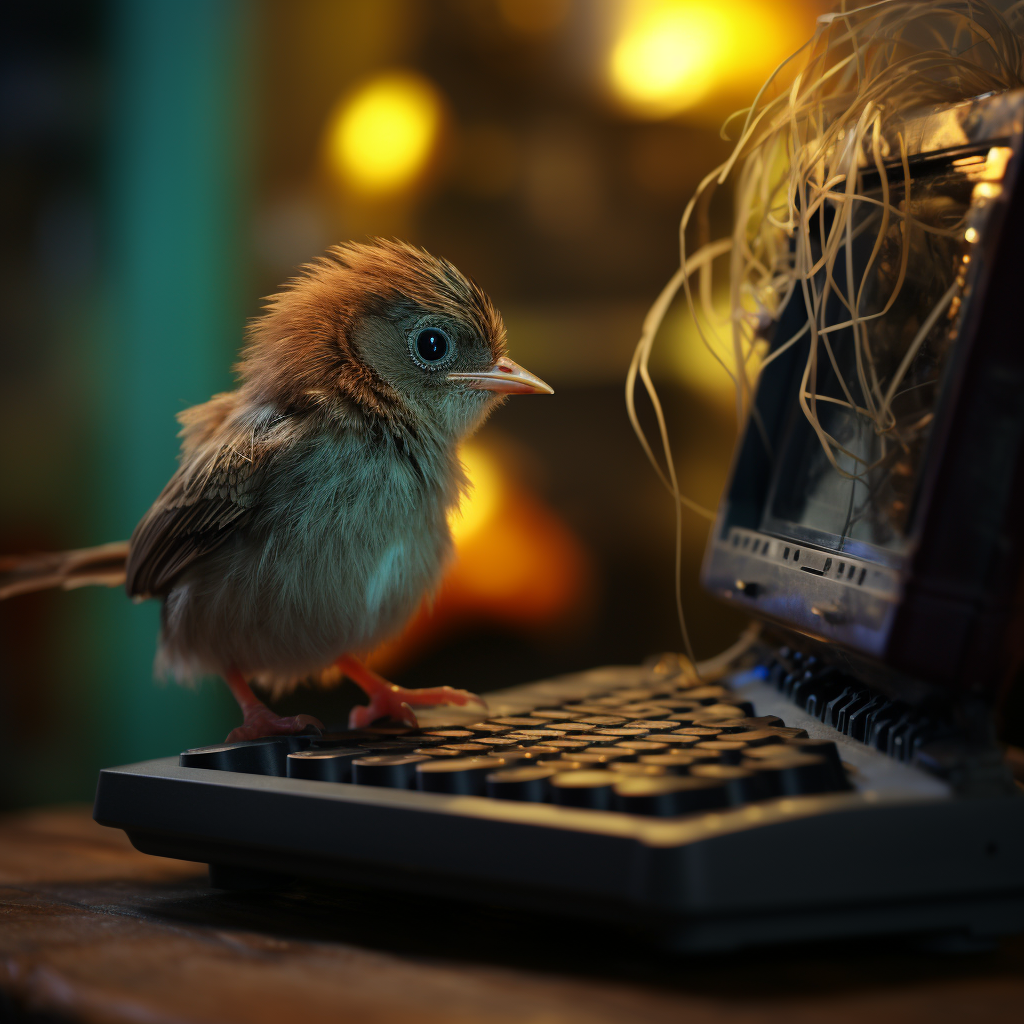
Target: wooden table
91	930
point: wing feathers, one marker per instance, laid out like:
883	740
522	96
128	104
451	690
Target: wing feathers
205	502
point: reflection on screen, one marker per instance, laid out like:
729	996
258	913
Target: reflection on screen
867	496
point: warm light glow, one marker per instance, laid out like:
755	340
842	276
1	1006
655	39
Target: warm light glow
379	140
484	499
671	54
534	17
516	565
693	363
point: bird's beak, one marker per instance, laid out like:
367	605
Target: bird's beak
507	377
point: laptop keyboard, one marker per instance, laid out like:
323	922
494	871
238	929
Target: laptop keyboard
673	747
855	710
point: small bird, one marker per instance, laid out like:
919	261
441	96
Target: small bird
309	512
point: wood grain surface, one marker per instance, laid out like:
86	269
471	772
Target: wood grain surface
91	930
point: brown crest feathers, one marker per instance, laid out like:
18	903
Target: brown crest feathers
300	348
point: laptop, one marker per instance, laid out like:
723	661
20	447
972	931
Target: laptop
845	777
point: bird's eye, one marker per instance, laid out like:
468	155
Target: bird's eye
432	345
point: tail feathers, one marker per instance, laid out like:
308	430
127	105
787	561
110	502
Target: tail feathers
99	566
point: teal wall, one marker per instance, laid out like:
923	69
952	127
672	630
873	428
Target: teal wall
177	192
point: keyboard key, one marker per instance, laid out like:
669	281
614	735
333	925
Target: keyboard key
677	764
488	729
684	741
517	722
607	755
727	751
712	713
635	768
563	764
369	747
530	784
464	775
584	788
703	732
759	722
653	725
755	737
786	734
857	721
646	713
343	738
606	720
814	696
796	774
532	735
741	784
626	751
434	752
880	721
470	749
850	700
669	796
333	765
594	740
643	746
387	770
253	757
622	734
556	715
703	756
895	737
569	745
575	727
450	734
823	748
536	753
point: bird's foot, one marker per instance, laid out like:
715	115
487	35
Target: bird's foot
390	701
258	720
261	721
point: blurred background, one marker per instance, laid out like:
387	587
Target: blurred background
166	163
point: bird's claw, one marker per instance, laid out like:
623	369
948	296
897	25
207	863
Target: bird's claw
261	721
396	702
380	706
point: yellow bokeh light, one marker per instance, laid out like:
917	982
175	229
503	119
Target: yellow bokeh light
691	361
671	54
484	498
379	139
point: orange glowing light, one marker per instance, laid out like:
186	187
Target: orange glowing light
478	507
517	565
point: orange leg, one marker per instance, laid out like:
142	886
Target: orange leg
258	719
390	701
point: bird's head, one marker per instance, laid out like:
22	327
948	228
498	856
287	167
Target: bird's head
387	331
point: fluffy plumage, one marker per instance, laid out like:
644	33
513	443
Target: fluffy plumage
308	515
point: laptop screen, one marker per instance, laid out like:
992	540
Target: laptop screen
875	401
890	524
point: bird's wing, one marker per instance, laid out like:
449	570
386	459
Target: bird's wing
203	504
